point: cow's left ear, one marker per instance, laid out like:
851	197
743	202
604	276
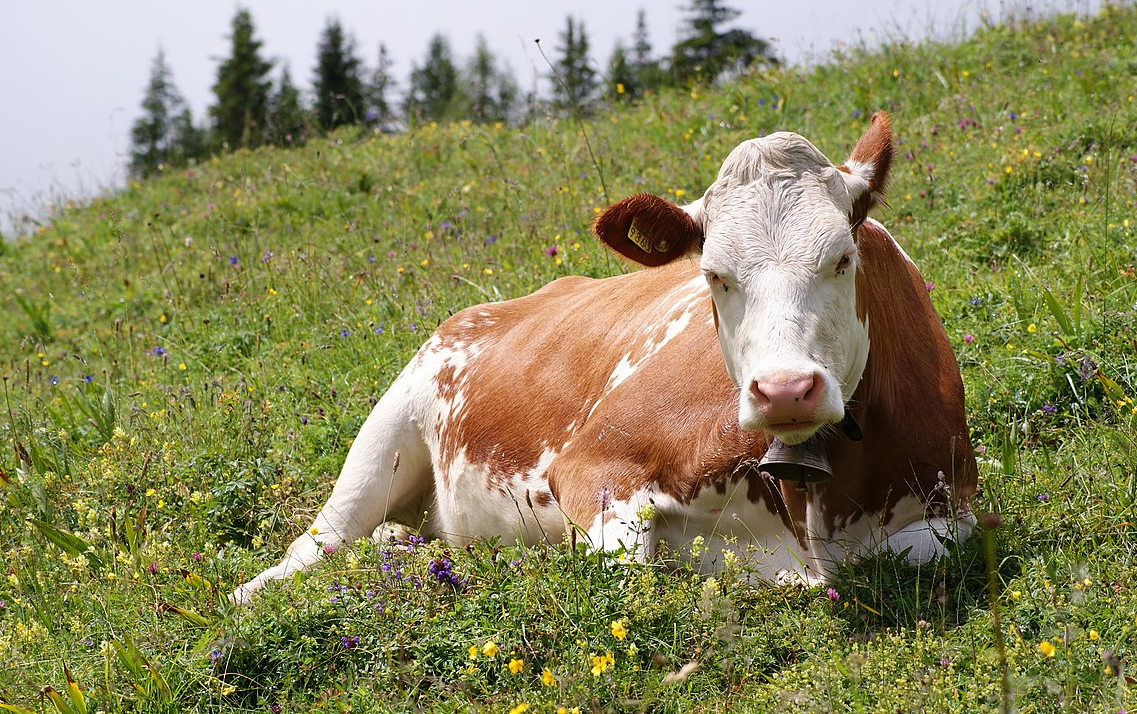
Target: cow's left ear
650	231
866	171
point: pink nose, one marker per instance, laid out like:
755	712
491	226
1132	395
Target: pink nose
787	399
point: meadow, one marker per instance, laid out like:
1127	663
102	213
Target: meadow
185	363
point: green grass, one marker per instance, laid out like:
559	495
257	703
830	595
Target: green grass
185	364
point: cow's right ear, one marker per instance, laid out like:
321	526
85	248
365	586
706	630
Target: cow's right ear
650	231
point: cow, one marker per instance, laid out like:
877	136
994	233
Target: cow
601	407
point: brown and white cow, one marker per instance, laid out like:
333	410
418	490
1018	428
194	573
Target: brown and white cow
604	406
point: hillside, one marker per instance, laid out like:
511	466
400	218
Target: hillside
185	364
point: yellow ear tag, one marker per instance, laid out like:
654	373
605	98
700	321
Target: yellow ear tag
637	237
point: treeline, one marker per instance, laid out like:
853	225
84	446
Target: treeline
252	107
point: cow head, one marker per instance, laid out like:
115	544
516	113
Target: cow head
776	238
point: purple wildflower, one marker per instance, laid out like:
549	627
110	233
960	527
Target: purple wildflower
442	570
832	594
234	261
1087	368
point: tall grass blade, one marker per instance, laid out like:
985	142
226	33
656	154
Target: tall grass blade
1058	313
78	701
188	615
68	542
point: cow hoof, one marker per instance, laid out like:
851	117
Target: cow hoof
391	530
243	595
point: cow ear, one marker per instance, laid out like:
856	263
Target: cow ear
650	231
867	168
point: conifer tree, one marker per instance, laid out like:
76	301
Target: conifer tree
339	90
493	92
708	49
574	81
190	141
622	84
287	119
629	76
379	110
242	88
153	135
645	69
434	94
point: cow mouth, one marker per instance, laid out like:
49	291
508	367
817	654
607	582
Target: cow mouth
793	432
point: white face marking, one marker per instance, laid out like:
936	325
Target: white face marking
780	258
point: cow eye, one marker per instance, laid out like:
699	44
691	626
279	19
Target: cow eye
844	263
716	281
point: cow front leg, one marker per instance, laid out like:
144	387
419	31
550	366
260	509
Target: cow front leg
386	478
624	525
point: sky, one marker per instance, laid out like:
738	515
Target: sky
73	72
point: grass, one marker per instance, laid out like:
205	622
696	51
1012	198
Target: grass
185	363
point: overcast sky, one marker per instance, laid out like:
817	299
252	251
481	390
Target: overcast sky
73	72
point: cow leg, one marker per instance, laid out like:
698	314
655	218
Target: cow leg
926	540
385	479
626	525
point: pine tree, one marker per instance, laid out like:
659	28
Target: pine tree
574	81
339	86
622	82
630	76
379	111
707	50
153	134
287	119
190	142
242	88
493	92
646	70
434	94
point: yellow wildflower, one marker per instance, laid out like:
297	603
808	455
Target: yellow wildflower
619	629
490	649
601	663
516	665
1046	648
473	651
547	678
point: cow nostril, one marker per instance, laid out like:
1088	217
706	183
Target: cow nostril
792	392
811	388
758	394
